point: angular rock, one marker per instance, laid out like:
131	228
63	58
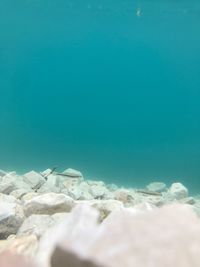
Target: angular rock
50	185
125	239
124	196
8	199
29	196
49	203
99	190
157	187
19	193
74	193
178	191
36	225
35	179
105	207
11	182
11	218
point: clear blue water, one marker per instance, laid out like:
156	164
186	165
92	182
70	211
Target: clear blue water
108	87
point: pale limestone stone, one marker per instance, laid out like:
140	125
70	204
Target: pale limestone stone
11	182
50	185
60	217
49	203
8	199
19	193
105	207
36	225
35	179
167	236
178	191
11	218
29	196
99	191
157	187
124	196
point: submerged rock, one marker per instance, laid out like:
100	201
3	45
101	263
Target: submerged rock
49	203
36	225
50	185
157	187
125	238
11	218
19	193
11	182
178	191
35	179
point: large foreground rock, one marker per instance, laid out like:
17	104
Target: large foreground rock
49	203
168	236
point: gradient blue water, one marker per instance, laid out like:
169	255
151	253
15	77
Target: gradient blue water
109	87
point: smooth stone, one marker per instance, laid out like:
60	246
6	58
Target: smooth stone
178	191
157	187
48	203
8	199
19	193
124	196
105	207
11	218
99	191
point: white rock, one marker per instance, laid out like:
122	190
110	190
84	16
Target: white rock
49	203
124	239
50	185
11	182
11	218
60	217
7	188
157	187
19	193
105	207
99	191
178	191
124	195
73	173
8	199
35	179
74	193
36	225
2	173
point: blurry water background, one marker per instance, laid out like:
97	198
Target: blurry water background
110	87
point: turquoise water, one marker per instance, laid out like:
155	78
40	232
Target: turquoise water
108	87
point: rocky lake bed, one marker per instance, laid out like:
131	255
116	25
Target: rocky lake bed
51	219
